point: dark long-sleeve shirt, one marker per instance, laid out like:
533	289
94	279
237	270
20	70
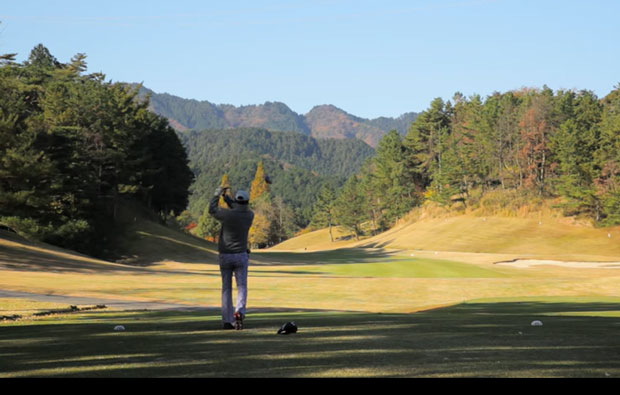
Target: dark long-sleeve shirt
236	224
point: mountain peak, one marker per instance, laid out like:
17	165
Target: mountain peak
322	121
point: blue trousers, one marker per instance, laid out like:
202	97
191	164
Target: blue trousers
236	264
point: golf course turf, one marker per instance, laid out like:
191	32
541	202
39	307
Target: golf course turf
361	312
478	339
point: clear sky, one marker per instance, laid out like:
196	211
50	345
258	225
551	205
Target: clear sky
370	58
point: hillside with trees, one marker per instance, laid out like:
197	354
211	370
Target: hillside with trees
508	150
322	121
75	148
299	166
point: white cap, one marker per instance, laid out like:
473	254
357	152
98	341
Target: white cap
242	196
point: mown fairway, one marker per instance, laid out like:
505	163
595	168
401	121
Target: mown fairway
361	312
478	339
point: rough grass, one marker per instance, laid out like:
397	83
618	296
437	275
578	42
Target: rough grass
501	223
26	308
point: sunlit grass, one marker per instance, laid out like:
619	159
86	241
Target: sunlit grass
25	307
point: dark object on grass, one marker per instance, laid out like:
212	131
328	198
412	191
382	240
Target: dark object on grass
268	180
288	328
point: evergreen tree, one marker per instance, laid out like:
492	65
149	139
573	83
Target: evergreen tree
73	146
607	183
208	227
425	143
393	189
40	57
574	147
323	213
350	207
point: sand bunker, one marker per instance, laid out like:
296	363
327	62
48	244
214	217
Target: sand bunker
525	263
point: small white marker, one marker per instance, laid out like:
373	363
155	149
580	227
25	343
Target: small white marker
119	328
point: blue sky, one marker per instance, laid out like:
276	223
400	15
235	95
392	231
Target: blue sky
370	58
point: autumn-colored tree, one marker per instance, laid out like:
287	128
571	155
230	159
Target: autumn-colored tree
535	133
259	235
260	201
225	183
259	186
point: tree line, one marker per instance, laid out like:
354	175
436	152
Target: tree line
74	146
299	166
540	143
274	220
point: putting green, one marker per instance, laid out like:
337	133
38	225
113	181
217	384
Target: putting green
410	268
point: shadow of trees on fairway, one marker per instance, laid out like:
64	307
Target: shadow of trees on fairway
480	340
145	249
24	260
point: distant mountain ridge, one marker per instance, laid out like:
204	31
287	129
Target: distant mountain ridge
323	121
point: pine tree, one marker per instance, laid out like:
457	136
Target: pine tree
425	143
574	147
208	227
73	146
349	208
41	57
323	212
607	183
392	187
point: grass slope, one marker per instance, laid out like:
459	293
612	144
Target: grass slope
551	238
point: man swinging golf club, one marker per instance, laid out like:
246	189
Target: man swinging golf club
233	252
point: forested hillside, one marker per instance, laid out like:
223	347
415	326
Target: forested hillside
322	121
299	165
524	146
74	147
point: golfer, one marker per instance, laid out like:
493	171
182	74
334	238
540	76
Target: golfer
233	249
